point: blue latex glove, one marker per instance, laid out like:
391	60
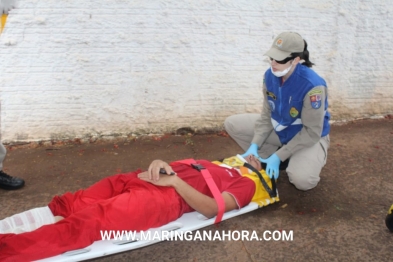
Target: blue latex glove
272	165
252	150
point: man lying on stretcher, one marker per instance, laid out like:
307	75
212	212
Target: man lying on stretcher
132	201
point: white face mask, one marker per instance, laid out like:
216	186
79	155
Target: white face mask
281	73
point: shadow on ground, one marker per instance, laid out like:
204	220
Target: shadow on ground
342	219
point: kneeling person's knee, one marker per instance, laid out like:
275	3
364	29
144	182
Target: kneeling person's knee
303	181
228	125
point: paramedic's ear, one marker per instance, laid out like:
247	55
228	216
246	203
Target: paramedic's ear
296	60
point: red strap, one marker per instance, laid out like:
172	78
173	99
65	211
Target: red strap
212	186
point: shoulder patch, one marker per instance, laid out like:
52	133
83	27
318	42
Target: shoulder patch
314	92
315	101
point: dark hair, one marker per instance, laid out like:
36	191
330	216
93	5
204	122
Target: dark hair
304	55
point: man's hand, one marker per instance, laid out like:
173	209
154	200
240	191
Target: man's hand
153	175
272	167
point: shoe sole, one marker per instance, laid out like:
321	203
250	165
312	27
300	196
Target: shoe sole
11	187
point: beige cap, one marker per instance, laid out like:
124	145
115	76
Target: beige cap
285	44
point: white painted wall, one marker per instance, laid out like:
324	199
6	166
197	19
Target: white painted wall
78	68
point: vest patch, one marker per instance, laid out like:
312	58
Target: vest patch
272	106
293	112
271	94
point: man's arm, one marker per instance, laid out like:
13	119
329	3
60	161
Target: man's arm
204	204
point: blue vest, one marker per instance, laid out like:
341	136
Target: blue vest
286	101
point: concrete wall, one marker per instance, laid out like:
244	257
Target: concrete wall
103	67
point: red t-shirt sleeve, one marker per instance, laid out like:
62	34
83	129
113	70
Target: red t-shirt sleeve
242	190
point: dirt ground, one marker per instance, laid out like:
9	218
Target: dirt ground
342	219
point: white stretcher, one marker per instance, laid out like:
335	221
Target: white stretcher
187	222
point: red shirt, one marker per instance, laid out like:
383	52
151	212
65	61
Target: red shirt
227	180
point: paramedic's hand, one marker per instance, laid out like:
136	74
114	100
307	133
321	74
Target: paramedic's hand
272	165
153	173
252	150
